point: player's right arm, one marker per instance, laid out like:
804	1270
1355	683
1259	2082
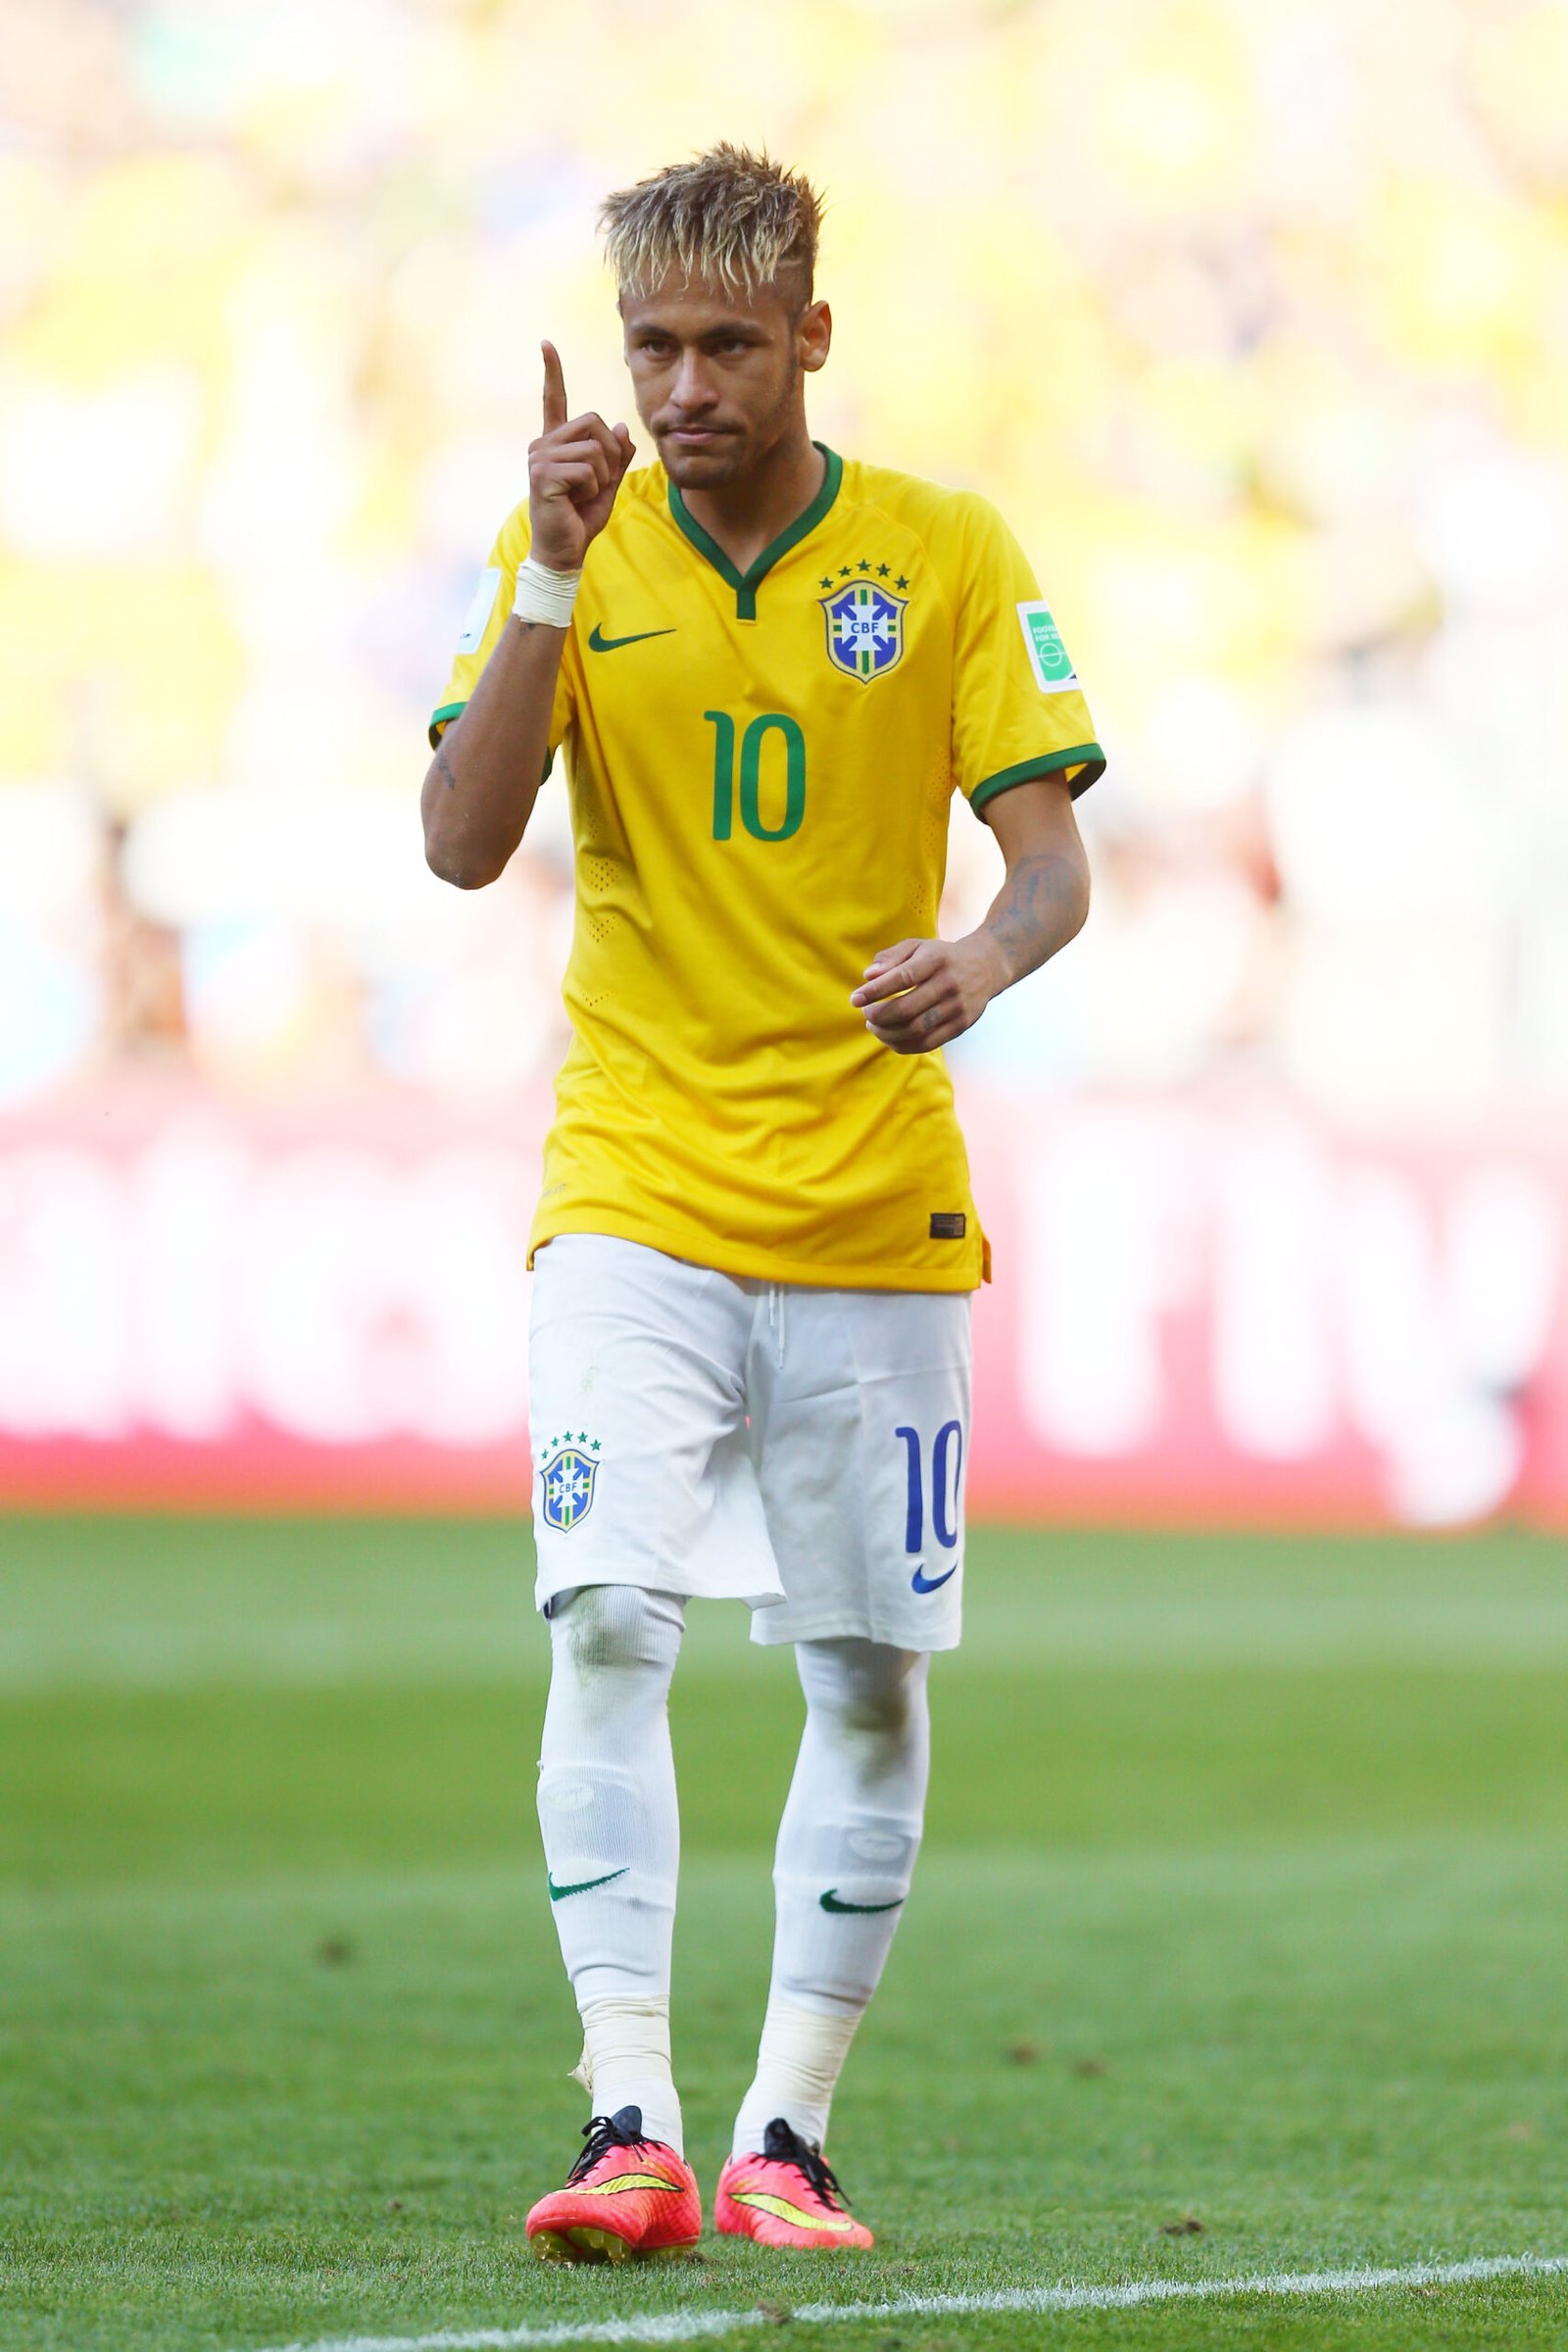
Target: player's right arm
480	787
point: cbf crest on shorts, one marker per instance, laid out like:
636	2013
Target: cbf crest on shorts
568	1478
864	630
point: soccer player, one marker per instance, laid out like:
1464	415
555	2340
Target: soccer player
756	1243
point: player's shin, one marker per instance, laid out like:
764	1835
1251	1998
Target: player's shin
846	1856
612	1838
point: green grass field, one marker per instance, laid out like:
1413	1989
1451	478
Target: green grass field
1244	1904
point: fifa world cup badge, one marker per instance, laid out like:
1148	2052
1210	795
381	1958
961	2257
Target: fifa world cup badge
864	630
567	1480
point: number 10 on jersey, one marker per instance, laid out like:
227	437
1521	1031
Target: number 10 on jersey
785	762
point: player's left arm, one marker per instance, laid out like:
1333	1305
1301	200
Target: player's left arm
923	992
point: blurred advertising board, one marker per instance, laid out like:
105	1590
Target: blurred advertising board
1207	1311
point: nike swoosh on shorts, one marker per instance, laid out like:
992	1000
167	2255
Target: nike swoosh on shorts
921	1582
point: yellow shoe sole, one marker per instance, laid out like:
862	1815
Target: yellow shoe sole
583	2245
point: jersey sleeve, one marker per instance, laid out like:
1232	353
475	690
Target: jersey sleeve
488	616
1019	711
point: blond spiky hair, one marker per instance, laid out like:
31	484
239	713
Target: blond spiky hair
728	218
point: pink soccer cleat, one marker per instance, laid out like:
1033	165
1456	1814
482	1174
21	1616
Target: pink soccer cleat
626	2199
787	2197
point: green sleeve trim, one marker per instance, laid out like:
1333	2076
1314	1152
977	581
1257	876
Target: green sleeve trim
1087	756
747	584
450	711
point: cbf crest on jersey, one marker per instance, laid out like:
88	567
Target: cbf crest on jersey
864	630
568	1478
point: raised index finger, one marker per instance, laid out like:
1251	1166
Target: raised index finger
554	389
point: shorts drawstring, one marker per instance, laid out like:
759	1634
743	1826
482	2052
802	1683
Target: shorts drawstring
775	1321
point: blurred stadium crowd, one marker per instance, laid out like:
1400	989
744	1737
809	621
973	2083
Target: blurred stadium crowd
1252	316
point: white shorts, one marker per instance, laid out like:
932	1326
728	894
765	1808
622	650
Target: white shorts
801	1449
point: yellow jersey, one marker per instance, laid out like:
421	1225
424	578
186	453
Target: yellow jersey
761	768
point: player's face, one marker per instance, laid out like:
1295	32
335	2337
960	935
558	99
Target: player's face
719	380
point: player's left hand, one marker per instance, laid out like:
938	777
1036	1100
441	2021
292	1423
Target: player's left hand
925	992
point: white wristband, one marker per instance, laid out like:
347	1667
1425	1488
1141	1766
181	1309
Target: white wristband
545	596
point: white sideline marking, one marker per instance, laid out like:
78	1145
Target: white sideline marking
694	2326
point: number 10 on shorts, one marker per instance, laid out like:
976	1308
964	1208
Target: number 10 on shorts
947	1486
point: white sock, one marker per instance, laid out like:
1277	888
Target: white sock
846	1856
612	1836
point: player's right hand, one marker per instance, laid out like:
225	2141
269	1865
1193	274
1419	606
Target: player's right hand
574	470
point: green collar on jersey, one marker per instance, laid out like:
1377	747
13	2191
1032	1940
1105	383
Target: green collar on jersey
746	584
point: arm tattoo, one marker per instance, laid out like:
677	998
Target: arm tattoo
1037	910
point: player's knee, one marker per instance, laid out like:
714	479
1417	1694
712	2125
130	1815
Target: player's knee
879	1711
604	1630
865	1690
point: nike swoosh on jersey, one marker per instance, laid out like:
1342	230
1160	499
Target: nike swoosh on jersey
921	1582
599	643
830	1902
558	1894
